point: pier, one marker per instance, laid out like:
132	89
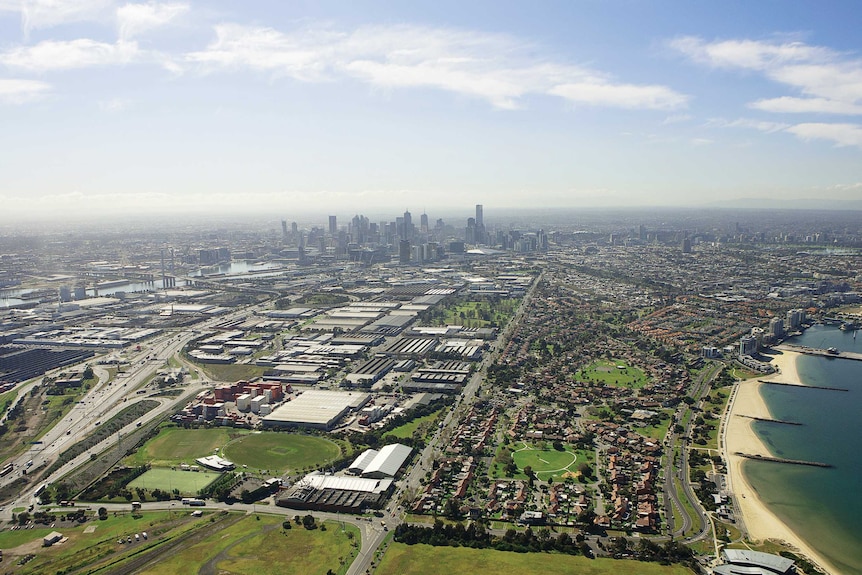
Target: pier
783	460
822	352
802	385
768	420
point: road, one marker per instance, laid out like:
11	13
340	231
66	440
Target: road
411	482
103	402
108	398
700	388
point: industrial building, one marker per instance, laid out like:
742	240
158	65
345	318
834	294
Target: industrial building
369	372
318	409
336	493
381	464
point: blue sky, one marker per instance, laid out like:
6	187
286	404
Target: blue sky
273	107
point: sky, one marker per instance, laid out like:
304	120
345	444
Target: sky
279	107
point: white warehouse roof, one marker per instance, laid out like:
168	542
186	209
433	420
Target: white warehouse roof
361	463
321	481
388	461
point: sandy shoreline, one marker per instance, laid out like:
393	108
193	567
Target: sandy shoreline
739	436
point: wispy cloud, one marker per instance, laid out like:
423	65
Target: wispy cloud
748	54
135	19
840	134
827	82
38	14
760	125
68	55
793	105
115	105
14	91
677	119
499	69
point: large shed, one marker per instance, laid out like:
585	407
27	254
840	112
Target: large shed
316	408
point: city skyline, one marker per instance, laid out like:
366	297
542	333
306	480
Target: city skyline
116	108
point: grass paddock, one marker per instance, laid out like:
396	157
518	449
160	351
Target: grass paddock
401	559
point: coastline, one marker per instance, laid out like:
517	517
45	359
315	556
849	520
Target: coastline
739	436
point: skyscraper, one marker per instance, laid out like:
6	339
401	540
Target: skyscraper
333	225
479	220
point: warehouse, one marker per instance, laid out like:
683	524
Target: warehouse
411	347
370	371
318	409
337	494
386	463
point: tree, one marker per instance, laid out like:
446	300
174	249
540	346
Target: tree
308	522
286	524
103	513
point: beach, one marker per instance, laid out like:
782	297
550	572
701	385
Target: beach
739	436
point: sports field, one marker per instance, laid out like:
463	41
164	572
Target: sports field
614	372
548	462
188	482
176	445
401	559
277	451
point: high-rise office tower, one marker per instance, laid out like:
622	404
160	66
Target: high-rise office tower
404	252
333	225
408	226
480	226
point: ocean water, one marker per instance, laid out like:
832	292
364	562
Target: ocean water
823	506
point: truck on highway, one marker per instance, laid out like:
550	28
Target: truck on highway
197	502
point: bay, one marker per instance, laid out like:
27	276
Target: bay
823	506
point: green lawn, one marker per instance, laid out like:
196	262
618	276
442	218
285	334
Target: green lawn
549	462
657	432
188	482
6	400
281	451
176	445
614	372
261	547
410	427
401	559
477	314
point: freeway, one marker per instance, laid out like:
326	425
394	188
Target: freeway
102	403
